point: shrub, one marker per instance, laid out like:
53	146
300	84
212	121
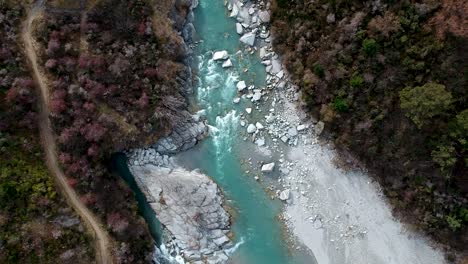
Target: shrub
319	71
421	103
445	156
370	47
462	119
356	81
453	222
340	105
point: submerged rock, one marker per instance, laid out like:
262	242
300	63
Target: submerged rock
190	206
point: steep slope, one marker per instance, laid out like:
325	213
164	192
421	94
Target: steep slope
389	81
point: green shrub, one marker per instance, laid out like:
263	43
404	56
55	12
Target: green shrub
453	222
356	81
421	103
340	105
319	71
445	156
462	119
370	47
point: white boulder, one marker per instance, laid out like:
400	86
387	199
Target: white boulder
220	55
263	52
241	86
260	142
292	132
227	63
251	129
301	127
239	28
319	127
234	11
264	16
248	38
269	167
284	195
259	126
257	96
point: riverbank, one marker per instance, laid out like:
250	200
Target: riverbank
370	71
340	216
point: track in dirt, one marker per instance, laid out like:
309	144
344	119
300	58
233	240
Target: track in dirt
102	248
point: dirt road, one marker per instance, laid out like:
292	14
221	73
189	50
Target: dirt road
103	255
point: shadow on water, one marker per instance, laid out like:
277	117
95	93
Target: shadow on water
120	167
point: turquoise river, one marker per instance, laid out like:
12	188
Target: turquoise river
257	230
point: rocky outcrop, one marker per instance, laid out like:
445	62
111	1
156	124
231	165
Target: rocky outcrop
182	138
190	205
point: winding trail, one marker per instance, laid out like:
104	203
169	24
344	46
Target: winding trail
102	247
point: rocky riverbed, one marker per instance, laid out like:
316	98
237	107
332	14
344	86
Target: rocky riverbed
341	216
338	215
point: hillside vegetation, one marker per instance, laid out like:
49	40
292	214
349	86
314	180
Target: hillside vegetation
389	79
116	80
36	225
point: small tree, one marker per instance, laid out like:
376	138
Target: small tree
462	119
422	103
370	47
445	156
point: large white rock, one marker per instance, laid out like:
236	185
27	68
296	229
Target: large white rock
284	195
234	11
276	66
263	52
227	63
180	198
301	127
239	28
319	127
292	132
248	110
220	55
257	96
236	100
248	38
241	86
269	167
259	126
251	129
264	16
260	142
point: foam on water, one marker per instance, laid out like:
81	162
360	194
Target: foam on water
223	134
215	82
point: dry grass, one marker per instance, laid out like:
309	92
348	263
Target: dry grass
110	114
66	4
452	18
